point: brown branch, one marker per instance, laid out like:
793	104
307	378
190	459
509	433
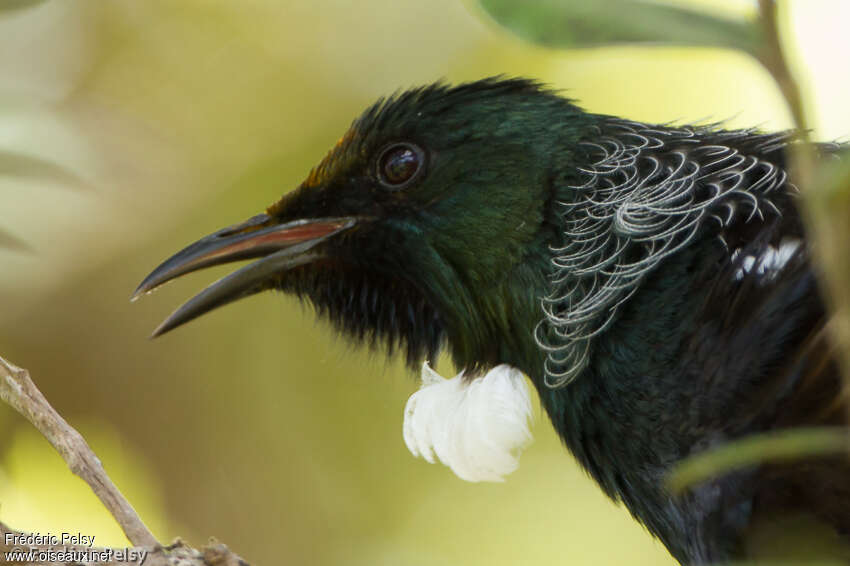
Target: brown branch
772	57
177	553
18	390
825	192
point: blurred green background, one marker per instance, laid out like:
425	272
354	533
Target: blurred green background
166	120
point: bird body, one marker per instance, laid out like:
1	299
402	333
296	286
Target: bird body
653	282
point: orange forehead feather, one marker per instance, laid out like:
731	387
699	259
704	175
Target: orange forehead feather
321	172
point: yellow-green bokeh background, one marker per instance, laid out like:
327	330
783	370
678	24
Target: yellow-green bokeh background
256	424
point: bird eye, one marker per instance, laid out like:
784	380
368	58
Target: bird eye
399	164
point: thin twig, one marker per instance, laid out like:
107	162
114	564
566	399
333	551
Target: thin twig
772	57
825	200
18	390
177	553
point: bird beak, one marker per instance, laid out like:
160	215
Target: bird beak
281	247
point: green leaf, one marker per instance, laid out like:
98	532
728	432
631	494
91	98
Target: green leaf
784	445
579	23
801	562
832	181
827	202
14	164
9	6
21	165
10	242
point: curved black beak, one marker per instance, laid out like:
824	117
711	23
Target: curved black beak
281	247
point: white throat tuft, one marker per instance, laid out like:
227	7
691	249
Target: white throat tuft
477	428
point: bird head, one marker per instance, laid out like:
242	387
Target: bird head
425	225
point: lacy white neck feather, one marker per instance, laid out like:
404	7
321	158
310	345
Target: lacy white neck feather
645	197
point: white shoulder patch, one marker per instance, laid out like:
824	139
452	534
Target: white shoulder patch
770	262
477	428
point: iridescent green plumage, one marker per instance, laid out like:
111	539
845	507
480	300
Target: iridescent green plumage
629	270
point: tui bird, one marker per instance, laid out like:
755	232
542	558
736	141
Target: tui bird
653	282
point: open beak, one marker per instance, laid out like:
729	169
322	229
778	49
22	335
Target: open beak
281	247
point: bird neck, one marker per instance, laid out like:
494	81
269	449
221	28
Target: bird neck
609	416
620	418
497	325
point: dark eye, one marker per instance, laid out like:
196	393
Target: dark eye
399	164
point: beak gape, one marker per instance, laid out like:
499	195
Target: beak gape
281	247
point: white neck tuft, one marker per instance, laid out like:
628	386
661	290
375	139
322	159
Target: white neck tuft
477	428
